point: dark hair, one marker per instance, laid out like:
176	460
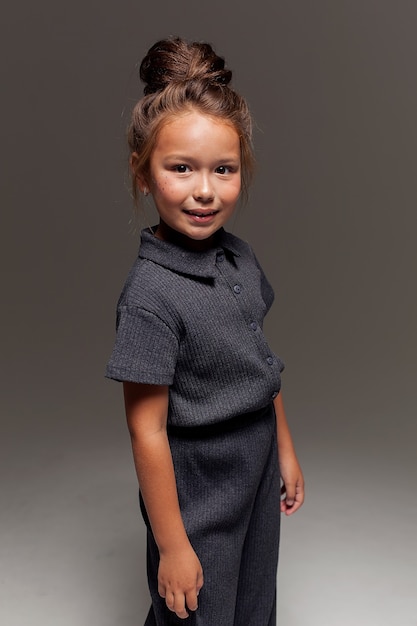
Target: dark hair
180	76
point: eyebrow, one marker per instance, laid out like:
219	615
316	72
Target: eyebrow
227	158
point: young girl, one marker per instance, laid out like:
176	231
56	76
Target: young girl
202	388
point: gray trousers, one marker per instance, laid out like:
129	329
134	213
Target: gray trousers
229	494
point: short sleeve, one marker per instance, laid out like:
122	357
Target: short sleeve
145	350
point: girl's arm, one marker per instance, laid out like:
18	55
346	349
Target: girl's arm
180	575
291	474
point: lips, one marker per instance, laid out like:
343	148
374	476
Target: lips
200	215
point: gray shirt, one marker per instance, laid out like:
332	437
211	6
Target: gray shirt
193	321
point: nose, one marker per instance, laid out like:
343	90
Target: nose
203	190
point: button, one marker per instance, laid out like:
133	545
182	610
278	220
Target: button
270	360
220	257
274	395
253	325
237	288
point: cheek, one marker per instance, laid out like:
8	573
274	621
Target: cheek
234	192
169	189
162	186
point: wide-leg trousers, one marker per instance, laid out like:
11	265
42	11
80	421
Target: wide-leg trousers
229	494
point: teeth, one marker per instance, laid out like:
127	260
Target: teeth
200	214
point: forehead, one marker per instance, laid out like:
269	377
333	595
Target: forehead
192	129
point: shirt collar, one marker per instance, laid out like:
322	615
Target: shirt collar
184	261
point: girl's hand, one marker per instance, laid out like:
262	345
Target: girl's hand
180	579
292	490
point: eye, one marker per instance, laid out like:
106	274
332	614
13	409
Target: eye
223	169
181	168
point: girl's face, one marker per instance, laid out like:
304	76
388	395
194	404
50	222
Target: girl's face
195	176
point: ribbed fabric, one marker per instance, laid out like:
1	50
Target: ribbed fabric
193	320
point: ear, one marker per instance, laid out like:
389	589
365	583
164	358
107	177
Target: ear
139	176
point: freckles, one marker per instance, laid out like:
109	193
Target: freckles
163	184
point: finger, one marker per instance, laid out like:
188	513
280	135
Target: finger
288	491
288	510
283	506
176	603
192	596
292	509
200	581
191	600
297	503
170	600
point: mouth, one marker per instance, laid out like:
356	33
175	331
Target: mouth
200	215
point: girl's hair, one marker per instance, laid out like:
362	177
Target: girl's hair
181	77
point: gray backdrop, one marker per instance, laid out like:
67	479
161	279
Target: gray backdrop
332	216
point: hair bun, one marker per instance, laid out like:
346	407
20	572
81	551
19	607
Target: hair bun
174	60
